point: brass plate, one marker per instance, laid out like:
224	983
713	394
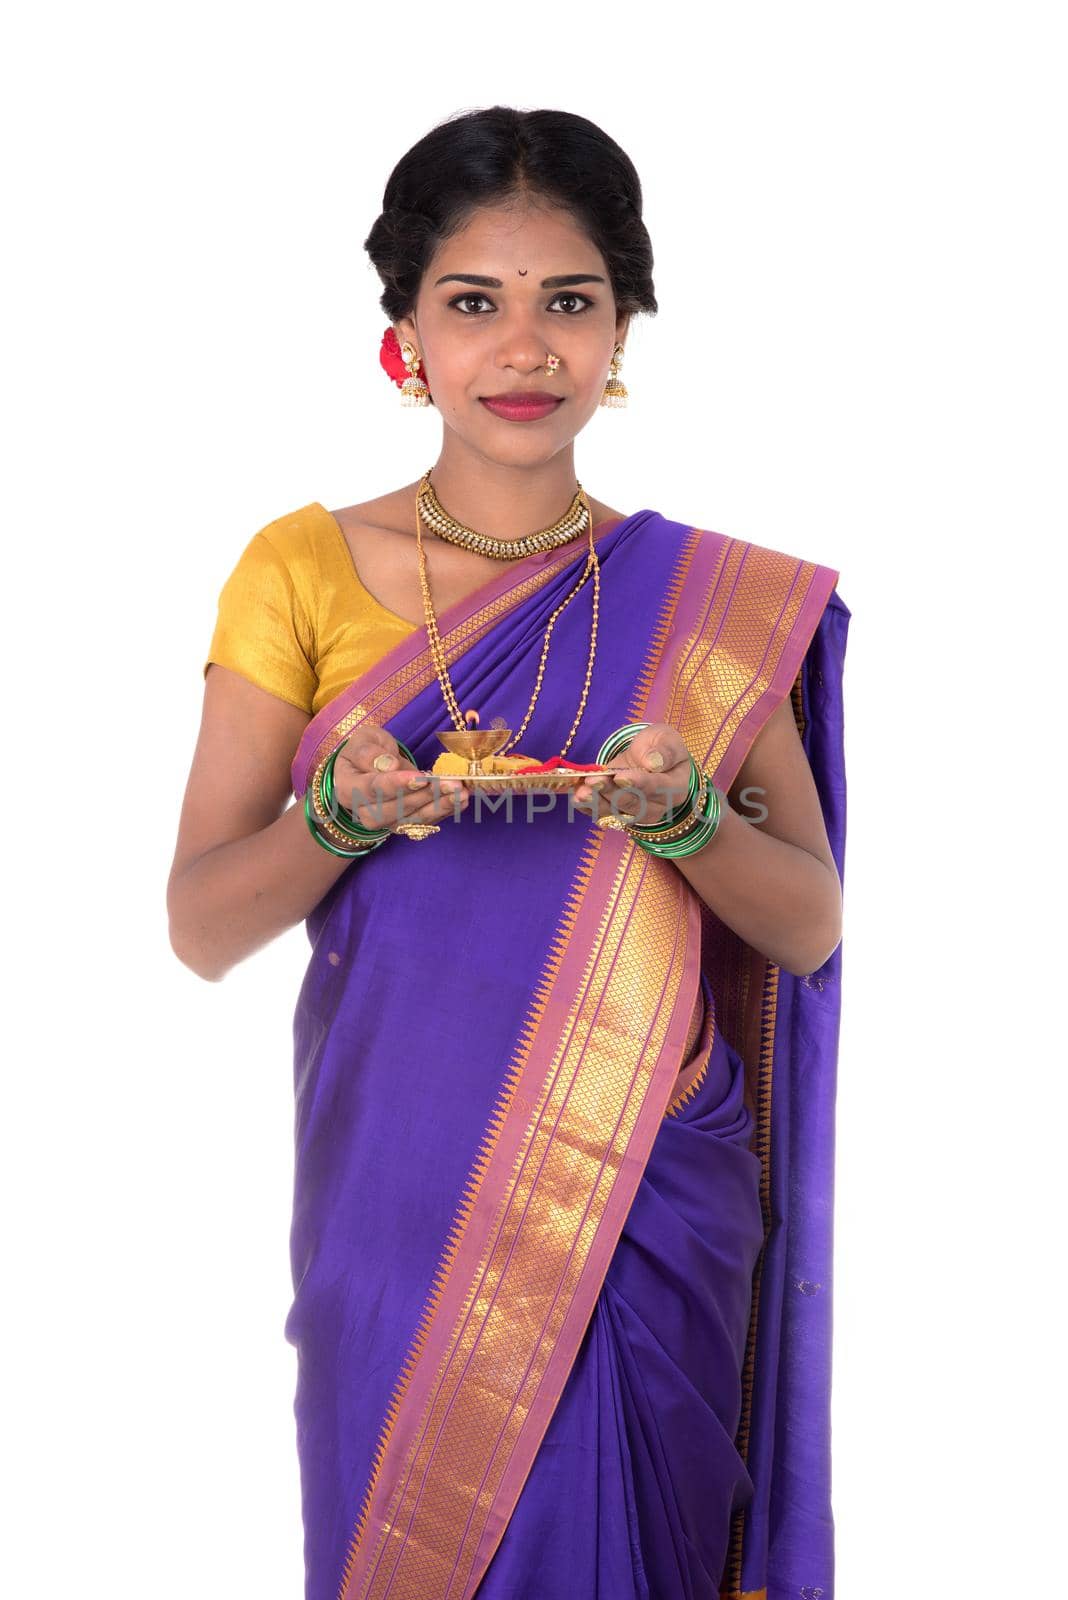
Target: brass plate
524	782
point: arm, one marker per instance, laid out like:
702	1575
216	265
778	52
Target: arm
768	872
244	869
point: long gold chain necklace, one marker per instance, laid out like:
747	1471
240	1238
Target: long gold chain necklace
437	649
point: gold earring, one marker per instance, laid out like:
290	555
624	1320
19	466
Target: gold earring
414	391
615	390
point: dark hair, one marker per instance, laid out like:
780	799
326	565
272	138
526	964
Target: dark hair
491	157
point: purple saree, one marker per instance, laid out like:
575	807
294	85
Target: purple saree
561	1238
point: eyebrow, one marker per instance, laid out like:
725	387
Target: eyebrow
560	282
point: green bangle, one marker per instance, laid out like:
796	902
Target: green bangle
705	828
340	815
678	813
696	837
617	740
321	838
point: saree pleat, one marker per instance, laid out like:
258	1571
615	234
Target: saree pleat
532	1189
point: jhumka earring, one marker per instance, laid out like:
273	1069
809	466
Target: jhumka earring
414	391
615	390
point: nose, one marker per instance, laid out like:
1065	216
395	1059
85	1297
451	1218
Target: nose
523	344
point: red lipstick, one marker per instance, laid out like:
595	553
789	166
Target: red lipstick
521	405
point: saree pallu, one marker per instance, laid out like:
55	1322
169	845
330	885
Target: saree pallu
561	1238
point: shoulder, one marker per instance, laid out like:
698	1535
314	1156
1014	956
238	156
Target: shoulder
301	550
298	536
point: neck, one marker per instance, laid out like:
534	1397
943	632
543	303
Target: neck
500	499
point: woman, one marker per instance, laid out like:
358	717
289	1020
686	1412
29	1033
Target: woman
562	1218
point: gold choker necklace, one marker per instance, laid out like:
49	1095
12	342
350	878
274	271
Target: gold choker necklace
437	649
564	529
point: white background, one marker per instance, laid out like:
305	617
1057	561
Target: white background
857	214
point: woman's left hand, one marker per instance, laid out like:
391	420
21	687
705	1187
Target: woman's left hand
661	782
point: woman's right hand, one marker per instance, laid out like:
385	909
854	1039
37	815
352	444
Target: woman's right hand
382	797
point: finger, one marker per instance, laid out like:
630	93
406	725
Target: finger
669	779
429	810
595	804
650	784
410	806
657	751
400	774
639	802
362	747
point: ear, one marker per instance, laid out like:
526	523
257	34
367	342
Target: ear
622	324
404	328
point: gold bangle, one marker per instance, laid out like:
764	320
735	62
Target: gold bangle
680	828
324	819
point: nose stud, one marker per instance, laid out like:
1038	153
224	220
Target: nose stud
551	363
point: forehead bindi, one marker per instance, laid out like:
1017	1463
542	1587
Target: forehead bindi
554	242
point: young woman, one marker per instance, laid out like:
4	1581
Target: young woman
564	1065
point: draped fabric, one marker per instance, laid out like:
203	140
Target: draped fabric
564	1143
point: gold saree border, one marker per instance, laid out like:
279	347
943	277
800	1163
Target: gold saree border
432	1538
733	650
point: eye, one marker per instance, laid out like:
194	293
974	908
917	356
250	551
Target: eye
570	294
459	299
565	294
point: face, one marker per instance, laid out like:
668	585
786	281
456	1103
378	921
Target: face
478	339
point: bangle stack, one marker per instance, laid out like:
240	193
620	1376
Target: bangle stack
330	823
687	827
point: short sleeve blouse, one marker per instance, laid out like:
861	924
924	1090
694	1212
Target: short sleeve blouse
294	617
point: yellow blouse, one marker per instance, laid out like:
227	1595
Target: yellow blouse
294	617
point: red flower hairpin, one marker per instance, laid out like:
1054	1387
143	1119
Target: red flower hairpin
392	362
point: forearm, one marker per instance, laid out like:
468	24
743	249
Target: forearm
239	896
777	897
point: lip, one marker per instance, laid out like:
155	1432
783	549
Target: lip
521	407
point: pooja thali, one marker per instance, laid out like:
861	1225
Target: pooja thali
560	778
471	758
474	759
